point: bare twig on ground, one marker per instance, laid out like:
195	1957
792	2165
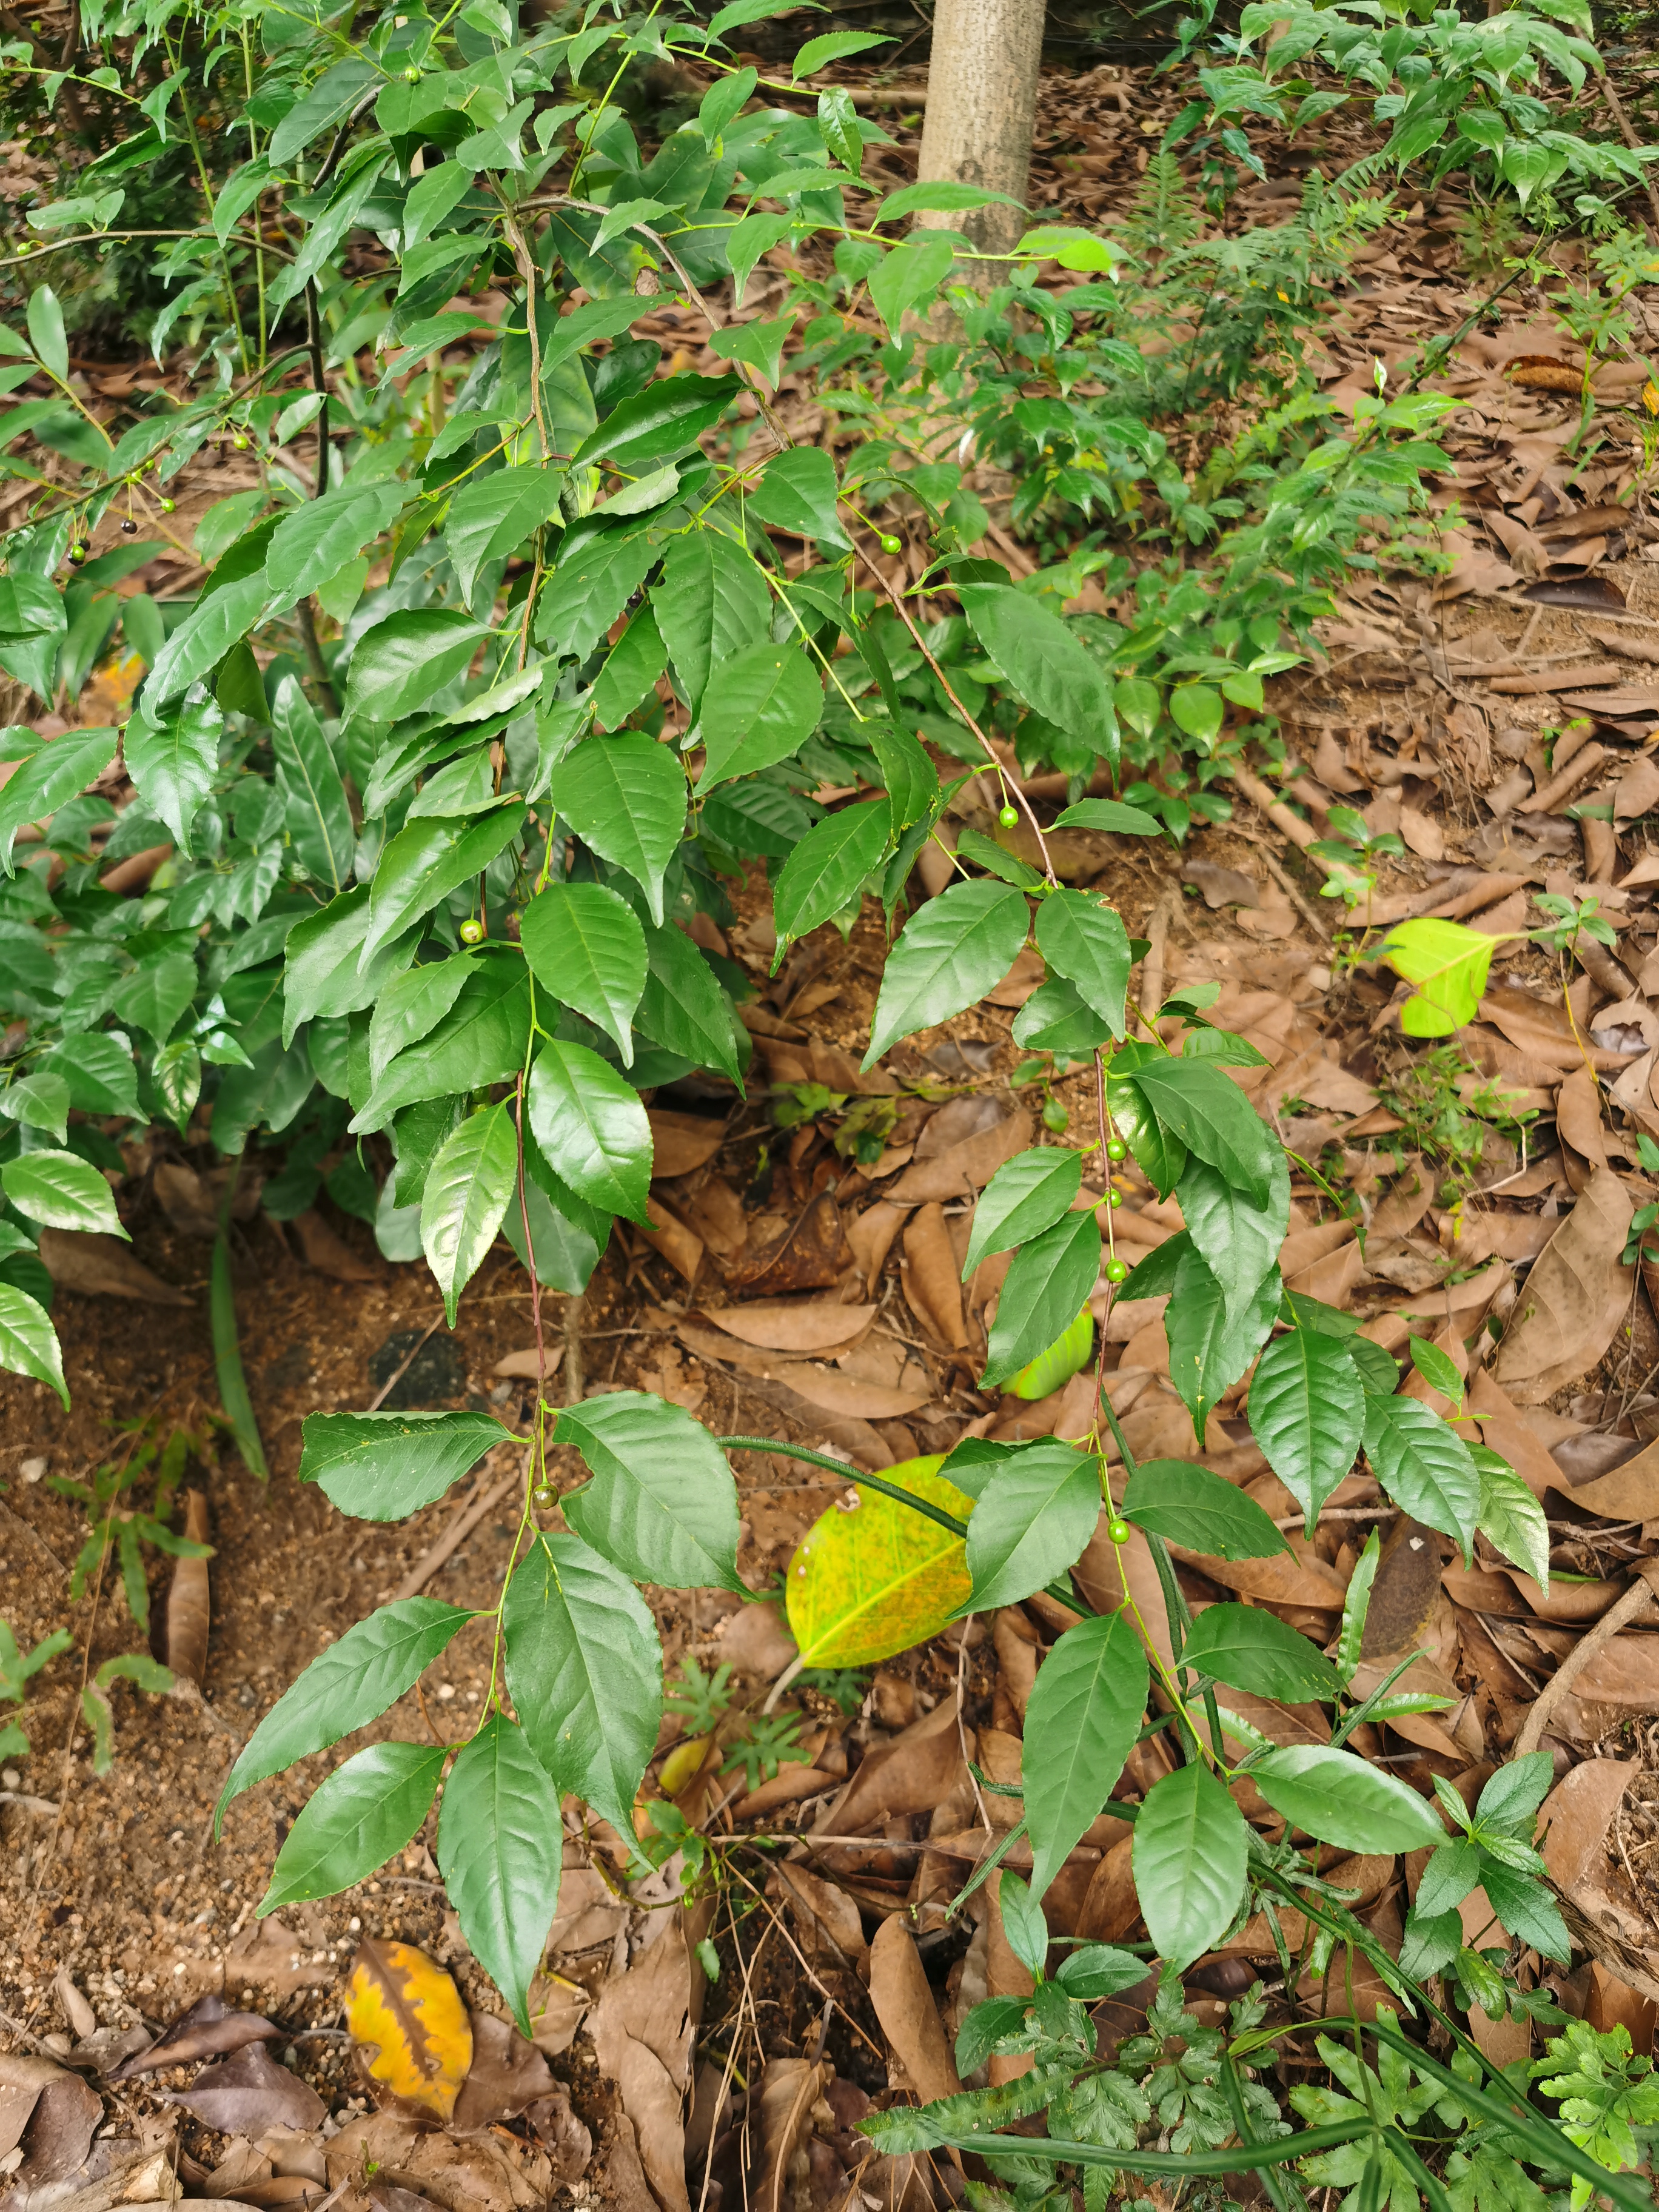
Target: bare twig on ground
1643	1592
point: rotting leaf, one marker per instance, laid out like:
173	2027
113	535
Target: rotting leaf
808	1257
406	2008
209	2029
250	2093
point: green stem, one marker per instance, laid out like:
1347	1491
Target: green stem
1235	2158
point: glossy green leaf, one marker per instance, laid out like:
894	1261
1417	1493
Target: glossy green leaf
1063	1359
1511	1517
319	816
48	777
365	1812
1026	1195
1034	1516
97	1066
425	862
584	1668
1110	815
1345	1801
383	1466
799	490
1209	1348
173	762
1238	1234
760	707
663	419
1189	1854
46	325
349	1684
1048	1280
400	664
625	796
592	1129
872	1578
28	1342
491	516
586	947
1081	1723
683	1008
1424	1466
1084	941
219	619
1158	1151
314	541
711	601
909	275
662	1505
1211	1116
322	970
948	955
467	1189
1189	1506
157	993
61	1191
909	777
1045	663
635	661
591	586
1308	1414
481	1040
822	875
500	1851
42	1101
411	1005
1253	1649
1056	1019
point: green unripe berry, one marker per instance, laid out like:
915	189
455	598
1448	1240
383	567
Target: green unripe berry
1116	1149
1116	1271
411	74
472	932
544	1494
1008	816
167	505
889	545
1119	1531
1054	1116
239	443
1114	1197
77	554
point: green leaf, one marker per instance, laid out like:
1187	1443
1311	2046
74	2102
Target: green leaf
943	196
322	971
591	586
423	863
383	1466
314	541
584	1668
1308	1414
345	1686
1509	1517
635	661
1189	1854
667	416
760	346
490	517
1022	1922
46	321
1525	1908
173	762
909	274
368	1810
467	1189
40	1101
683	1007
1345	1801
985	852
1198	709
1035	1515
398	665
1190	1506
1048	1283
1064	1358
1081	1725
51	774
584	945
411	1007
1083	940
1424	1466
28	1342
318	813
948	955
1253	1649
1209	1350
1210	1114
1026	1195
156	994
221	617
482	1039
1110	815
761	706
592	1129
711	601
1438	1368
1448	964
1055	1020
62	1191
97	1066
1044	663
625	796
799	490
1237	1236
1158	1150
833	46
662	1504
822	874
910	779
500	1852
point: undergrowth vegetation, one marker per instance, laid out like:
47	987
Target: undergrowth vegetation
508	666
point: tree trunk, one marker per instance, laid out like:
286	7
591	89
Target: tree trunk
981	101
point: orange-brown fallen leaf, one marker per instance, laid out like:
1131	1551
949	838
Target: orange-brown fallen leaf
405	2015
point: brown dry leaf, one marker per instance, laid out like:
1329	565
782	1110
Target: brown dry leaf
1404	1593
49	2112
678	1244
909	1775
488	2173
557	2008
961	1170
249	2093
808	1257
825	1918
799	1325
1575	1818
716	1213
650	2004
189	1611
1630	1492
682	1142
94	1265
1111	1906
932	1280
507	2075
789	2088
326	1250
1409	1199
1022	979
1503	1430
405	2015
1422	834
755	1642
849	1397
209	2029
909	2018
871	1237
529	1363
1578	1117
656	2108
1222	886
1574	1299
566	2140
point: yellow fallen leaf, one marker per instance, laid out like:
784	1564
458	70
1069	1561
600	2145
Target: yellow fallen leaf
681	1763
406	2009
874	1578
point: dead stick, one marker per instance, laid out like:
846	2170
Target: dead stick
1635	1602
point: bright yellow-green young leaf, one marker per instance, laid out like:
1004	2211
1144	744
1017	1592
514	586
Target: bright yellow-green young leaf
1448	965
874	1578
1059	1362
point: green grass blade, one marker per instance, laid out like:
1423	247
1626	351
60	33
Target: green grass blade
227	1360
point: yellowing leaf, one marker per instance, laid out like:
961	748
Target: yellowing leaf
874	1578
1059	1362
407	2010
1448	964
681	1763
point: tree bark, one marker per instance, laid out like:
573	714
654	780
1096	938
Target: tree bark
982	102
